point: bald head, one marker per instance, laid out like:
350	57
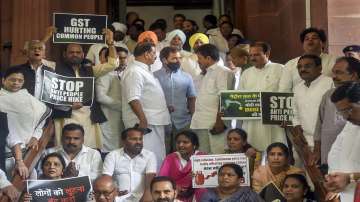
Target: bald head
105	189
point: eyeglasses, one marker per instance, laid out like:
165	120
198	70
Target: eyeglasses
105	194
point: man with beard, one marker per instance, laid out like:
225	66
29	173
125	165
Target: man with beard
179	93
206	121
80	160
74	65
163	189
329	123
343	159
308	95
143	100
190	27
313	41
189	63
132	167
264	75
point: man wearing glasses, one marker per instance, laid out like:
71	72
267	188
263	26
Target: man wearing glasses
343	159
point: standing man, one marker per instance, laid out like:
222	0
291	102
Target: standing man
108	94
178	20
343	159
74	65
206	121
264	75
313	41
179	93
308	95
132	167
143	100
80	160
329	124
34	68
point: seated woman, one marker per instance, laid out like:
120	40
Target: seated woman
52	166
237	143
276	169
296	189
229	189
177	165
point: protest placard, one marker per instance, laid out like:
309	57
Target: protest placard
205	167
63	90
276	108
67	189
79	28
240	105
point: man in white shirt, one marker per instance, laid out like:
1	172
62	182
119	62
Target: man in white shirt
143	100
343	159
108	94
308	95
132	167
34	68
206	121
264	75
80	160
313	41
7	189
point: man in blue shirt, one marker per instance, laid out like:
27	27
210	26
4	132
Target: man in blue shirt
179	93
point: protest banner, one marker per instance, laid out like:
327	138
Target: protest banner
79	28
205	168
240	105
276	108
63	90
67	189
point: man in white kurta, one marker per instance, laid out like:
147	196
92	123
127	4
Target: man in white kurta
143	100
344	153
313	42
206	120
308	95
263	76
108	94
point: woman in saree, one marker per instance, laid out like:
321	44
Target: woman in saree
177	165
276	169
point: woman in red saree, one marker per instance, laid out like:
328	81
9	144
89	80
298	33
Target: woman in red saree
177	166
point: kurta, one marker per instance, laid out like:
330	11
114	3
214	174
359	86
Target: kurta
290	76
182	174
329	124
108	91
344	156
93	136
265	79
